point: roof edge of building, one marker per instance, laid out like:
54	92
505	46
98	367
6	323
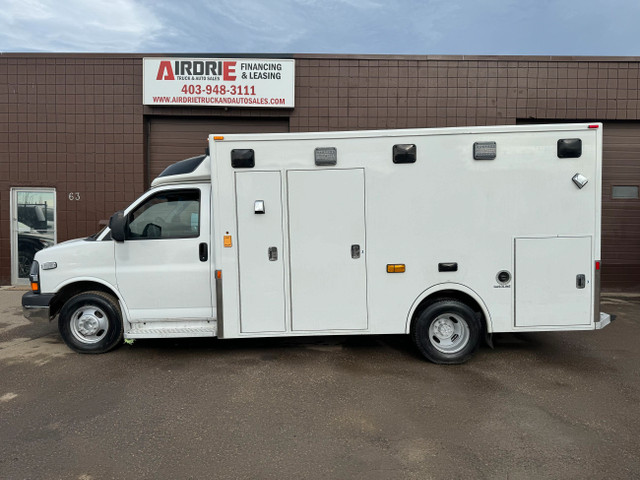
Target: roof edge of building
332	56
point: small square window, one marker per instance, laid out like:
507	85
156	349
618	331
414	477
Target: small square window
243	158
569	148
404	153
624	191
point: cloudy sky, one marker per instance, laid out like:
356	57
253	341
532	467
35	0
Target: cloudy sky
472	27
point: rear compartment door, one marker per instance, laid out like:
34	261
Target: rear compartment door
327	249
553	284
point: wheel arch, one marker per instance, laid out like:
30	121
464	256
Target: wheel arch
456	291
65	291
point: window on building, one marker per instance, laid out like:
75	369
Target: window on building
624	191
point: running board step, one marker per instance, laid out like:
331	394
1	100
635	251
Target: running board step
172	330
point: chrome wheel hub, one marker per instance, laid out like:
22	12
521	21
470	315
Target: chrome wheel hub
443	328
449	333
89	324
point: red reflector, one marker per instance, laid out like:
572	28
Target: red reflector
597	265
594	126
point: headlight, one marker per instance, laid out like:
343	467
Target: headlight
34	277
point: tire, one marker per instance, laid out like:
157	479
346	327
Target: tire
91	322
447	332
25	259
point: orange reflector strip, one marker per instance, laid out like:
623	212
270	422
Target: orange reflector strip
227	241
218	138
34	286
396	268
218	274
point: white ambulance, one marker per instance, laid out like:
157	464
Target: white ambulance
448	235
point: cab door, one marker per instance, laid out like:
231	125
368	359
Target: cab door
163	267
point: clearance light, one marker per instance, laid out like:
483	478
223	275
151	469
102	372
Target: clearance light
598	265
594	126
218	274
222	138
395	268
227	241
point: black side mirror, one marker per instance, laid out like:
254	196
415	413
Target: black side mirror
117	224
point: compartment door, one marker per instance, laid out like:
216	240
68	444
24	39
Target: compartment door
549	288
327	246
260	256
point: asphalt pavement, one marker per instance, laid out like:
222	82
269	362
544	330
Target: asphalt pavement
543	405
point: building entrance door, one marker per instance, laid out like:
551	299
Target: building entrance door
33	227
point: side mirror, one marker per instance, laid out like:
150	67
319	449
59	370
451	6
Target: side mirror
117	225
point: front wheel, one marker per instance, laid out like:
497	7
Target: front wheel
447	332
91	322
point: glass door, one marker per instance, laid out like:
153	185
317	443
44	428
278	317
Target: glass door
33	227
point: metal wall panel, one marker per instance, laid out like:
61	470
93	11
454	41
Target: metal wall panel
620	217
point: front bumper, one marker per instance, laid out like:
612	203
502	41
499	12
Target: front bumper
35	306
605	319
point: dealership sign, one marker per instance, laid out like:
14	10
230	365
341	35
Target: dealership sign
211	82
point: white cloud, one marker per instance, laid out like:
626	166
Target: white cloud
76	25
321	26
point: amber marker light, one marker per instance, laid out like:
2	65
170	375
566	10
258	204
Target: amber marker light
395	268
218	138
34	287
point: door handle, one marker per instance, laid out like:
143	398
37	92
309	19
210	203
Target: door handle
581	281
355	251
204	252
272	253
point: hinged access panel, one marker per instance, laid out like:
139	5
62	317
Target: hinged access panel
553	286
327	249
261	267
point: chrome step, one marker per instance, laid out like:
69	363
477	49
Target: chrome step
172	330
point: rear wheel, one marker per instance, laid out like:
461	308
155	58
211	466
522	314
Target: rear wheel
447	332
91	322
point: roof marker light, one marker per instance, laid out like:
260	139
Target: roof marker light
222	138
594	126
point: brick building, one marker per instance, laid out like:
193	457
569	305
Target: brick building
77	143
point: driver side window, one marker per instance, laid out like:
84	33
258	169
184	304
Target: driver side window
168	214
